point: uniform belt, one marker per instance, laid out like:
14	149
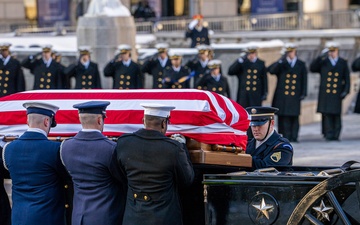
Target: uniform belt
141	196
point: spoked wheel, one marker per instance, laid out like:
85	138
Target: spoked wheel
333	201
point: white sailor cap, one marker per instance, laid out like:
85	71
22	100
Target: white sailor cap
290	46
5	45
43	109
46	48
84	50
124	48
251	49
159	110
215	63
162	47
332	45
174	55
202	48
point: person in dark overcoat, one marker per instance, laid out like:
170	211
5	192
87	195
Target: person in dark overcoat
355	66
267	148
91	160
38	176
11	74
198	65
156	167
85	72
5	208
334	86
47	73
251	72
214	80
291	89
125	73
197	32
156	65
176	76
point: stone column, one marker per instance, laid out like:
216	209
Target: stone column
106	25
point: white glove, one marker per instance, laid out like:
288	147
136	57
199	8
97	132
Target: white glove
211	32
192	24
324	51
178	137
240	60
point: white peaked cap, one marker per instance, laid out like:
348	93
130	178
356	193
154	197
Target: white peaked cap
159	110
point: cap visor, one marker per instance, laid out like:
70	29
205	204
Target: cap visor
257	123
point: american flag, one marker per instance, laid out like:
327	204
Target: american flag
204	116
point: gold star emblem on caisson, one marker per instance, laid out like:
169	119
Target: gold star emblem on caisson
323	211
263	209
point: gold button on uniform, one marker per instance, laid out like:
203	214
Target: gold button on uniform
329	79
0	78
66	186
335	80
199	87
328	85
122	76
335	85
286	86
159	79
334	91
292	87
67	206
4	91
249	70
1	71
180	86
160	73
42	79
248	88
145	198
255	77
48	80
121	82
213	89
83	83
48	86
172	86
83	77
128	77
294	76
288	75
327	90
287	81
292	93
89	83
220	88
286	93
6	78
135	195
254	83
336	74
294	82
254	88
255	71
198	39
89	77
7	72
49	74
5	85
41	85
329	73
248	82
248	76
160	86
128	83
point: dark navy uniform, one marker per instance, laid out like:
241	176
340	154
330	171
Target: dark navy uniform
11	77
273	149
355	66
175	78
291	88
124	77
155	166
334	86
200	68
46	76
253	86
5	209
153	67
85	77
198	37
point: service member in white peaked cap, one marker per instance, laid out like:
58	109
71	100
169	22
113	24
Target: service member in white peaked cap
42	109
162	47
159	110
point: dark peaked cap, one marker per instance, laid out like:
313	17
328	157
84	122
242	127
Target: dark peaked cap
92	107
260	115
43	109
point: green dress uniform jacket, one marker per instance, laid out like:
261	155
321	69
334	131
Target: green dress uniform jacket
154	68
45	77
11	77
85	78
124	77
253	85
156	167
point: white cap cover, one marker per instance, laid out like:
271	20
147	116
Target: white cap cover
159	110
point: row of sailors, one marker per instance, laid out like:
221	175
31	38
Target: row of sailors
49	73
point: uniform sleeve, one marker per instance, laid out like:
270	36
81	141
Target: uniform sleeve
264	88
346	87
279	156
275	68
355	66
20	79
109	70
184	168
29	63
146	67
315	65
97	76
235	68
304	81
140	79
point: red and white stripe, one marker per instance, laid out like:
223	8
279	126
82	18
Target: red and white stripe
202	115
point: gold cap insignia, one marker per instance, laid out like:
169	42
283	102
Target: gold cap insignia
253	111
276	156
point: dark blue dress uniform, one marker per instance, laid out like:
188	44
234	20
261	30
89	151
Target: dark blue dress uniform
274	149
253	85
198	37
355	66
153	67
291	88
5	209
124	77
85	77
155	165
11	77
45	76
177	79
200	68
38	176
334	86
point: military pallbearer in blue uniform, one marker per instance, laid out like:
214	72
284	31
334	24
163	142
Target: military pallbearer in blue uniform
38	176
156	167
267	148
90	158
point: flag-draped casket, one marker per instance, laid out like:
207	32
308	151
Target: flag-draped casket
204	116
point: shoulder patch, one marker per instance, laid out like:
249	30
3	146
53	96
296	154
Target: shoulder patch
276	156
286	145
